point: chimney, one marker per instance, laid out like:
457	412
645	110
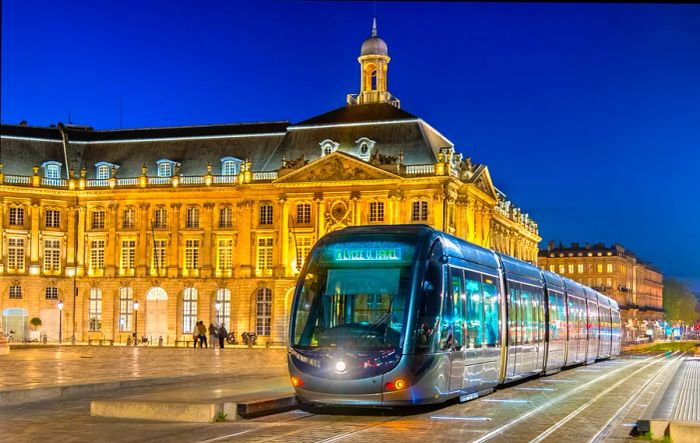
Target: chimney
550	245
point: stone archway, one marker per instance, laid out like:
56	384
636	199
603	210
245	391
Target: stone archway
156	313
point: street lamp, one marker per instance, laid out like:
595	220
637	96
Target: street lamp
60	321
136	321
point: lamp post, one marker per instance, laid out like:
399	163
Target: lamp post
60	321
136	321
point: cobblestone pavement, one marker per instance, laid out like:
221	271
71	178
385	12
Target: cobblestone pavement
56	365
600	402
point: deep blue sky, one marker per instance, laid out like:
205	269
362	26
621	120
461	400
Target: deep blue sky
588	115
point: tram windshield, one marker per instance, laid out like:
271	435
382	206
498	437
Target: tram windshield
354	294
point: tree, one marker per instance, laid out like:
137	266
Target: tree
679	302
35	322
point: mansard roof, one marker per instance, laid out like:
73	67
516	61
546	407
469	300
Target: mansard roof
393	131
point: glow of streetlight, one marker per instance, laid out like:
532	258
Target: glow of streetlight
136	305
60	305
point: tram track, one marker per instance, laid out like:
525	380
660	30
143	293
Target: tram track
601	395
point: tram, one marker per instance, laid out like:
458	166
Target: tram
407	315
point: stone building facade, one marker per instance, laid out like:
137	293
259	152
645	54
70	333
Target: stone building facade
616	272
213	223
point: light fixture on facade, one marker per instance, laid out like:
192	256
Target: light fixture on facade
34	269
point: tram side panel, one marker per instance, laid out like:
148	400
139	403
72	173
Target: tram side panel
557	330
592	325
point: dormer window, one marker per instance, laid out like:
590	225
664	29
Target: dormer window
230	166
52	169
365	147
328	147
165	168
103	170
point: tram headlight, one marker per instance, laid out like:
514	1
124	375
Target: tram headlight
340	366
396	385
297	382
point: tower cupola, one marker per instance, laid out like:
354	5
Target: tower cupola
374	61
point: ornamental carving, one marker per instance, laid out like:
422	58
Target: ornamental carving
338	215
335	168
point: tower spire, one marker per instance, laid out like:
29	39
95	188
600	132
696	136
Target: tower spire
374	27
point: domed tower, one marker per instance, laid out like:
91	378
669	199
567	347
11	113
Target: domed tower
374	61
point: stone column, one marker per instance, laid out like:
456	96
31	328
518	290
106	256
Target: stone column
174	260
471	216
320	216
438	210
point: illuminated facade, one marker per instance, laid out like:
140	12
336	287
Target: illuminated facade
636	286
213	223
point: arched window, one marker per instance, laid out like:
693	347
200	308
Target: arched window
374	80
165	168
95	309
230	166
189	310
126	309
328	147
223	307
103	170
52	169
263	311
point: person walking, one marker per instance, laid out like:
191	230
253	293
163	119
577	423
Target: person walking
223	333
212	335
202	334
195	334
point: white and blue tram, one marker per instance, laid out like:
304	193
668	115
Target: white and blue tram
406	315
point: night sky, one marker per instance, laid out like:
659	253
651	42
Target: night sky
588	115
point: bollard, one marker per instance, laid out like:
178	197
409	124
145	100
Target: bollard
44	339
128	341
160	341
72	340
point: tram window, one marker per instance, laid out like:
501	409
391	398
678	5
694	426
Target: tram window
446	337
555	323
491	311
475	308
458	323
514	331
537	314
526	304
428	306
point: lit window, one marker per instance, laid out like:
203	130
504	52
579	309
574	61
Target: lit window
51	293
16	216
98	219
552	268
160	218
571	269
303	247
95	309
420	211
623	269
225	217
129	218
264	264
609	267
303	213
376	212
128	257
223	314
160	254
102	172
189	310
230	166
15	254
191	255
263	311
608	282
224	255
265	214
52	218
599	267
52	169
52	255
15	292
192	217
165	168
562	269
580	268
97	255
126	309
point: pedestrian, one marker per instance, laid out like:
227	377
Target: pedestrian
202	334
195	334
212	335
223	333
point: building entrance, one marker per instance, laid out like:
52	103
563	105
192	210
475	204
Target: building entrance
156	314
15	320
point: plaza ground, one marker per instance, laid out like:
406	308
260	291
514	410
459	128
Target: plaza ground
600	402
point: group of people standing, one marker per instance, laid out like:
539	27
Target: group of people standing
200	335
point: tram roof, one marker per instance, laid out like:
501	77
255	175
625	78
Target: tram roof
553	279
514	266
573	288
456	247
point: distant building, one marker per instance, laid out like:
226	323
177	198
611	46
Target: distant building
636	286
214	222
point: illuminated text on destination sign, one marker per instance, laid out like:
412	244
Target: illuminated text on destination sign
370	254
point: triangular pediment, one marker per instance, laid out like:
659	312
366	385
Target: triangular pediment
482	181
337	166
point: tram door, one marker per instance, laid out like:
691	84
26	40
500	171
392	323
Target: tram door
455	344
514	330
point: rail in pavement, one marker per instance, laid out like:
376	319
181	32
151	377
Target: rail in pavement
675	409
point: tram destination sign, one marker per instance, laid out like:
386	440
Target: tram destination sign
367	254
